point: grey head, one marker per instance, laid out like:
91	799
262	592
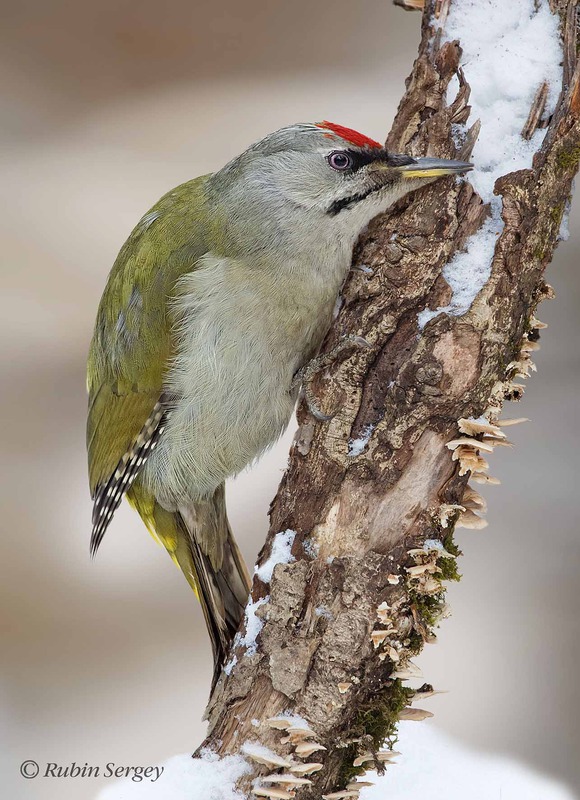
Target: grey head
339	176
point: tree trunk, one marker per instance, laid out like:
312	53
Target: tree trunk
370	499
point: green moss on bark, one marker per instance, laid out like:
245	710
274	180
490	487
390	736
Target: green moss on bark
376	723
569	159
448	566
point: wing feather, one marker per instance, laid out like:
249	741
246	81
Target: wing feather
132	346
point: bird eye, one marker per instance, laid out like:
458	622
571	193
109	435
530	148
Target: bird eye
340	160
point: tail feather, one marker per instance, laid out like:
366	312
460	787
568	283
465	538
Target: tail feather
223	609
199	539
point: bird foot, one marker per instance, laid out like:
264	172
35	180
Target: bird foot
306	374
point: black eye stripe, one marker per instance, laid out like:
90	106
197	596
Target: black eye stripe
360	158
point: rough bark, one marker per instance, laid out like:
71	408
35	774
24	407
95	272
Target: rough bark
363	592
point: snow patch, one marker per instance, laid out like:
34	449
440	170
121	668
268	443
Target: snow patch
209	777
322	611
294	719
482	420
231	664
432	765
433	544
260	750
564	232
280	554
357	446
509	50
467	272
253	626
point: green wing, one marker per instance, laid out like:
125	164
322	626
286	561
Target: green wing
132	344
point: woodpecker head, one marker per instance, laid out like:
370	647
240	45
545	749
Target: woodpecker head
325	175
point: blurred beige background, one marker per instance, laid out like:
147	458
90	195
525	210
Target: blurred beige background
104	107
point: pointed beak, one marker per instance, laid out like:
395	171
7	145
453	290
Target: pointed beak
433	168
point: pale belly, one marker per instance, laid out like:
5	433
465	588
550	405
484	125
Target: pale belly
240	347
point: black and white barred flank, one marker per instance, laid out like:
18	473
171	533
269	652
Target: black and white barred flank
107	496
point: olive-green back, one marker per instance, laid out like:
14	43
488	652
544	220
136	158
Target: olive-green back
132	343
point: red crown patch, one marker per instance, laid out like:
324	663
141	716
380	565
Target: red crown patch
350	136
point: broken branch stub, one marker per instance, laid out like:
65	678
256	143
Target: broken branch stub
340	622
